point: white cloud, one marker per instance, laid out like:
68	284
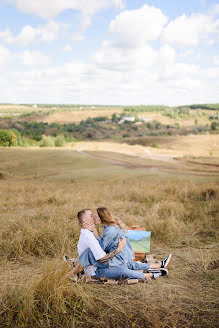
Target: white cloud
136	27
191	30
5	58
50	31
29	34
215	10
76	82
167	55
5	35
129	51
211	73
187	52
26	36
51	8
67	47
112	57
33	58
124	70
216	60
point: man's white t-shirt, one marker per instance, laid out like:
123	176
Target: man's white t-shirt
88	240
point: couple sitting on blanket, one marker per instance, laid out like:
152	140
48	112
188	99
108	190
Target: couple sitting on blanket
111	255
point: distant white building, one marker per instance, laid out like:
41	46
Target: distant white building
145	119
127	119
35	106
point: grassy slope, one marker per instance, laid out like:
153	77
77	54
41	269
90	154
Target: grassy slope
42	191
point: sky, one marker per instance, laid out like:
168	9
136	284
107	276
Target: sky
112	52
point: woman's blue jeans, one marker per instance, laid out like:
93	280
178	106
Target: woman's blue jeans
123	271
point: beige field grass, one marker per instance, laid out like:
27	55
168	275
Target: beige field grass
58	114
195	145
41	192
13	108
189	121
79	115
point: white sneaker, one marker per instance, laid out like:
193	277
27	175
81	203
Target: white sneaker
166	262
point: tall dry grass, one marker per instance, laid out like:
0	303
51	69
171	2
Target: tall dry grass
38	224
39	219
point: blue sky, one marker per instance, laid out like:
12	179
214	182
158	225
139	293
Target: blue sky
109	51
137	235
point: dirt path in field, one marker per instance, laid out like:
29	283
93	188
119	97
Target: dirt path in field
122	163
176	166
192	146
166	160
130	150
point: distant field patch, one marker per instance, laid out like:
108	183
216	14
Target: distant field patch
194	145
79	115
188	121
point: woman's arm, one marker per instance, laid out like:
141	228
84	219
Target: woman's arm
109	256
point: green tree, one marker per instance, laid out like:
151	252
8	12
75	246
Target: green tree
114	118
7	138
19	141
214	125
47	141
59	141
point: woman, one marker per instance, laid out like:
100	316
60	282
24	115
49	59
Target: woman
122	265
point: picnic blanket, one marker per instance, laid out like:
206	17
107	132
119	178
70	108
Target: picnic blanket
78	274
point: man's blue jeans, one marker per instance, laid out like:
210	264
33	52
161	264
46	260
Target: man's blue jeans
123	271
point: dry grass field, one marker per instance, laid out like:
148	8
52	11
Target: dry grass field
75	115
188	121
166	148
41	191
79	115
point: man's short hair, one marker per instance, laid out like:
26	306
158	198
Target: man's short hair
81	213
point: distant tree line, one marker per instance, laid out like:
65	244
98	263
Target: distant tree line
201	106
23	133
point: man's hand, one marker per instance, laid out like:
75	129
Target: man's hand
121	244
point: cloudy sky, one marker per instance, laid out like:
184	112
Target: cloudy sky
109	51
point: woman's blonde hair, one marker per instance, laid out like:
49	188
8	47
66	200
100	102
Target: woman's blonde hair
107	219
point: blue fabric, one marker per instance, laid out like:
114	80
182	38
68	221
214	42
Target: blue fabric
109	242
138	266
119	272
87	258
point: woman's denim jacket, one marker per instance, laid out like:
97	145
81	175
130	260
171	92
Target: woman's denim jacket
109	242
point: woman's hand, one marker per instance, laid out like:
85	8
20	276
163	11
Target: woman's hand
92	228
121	244
89	226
